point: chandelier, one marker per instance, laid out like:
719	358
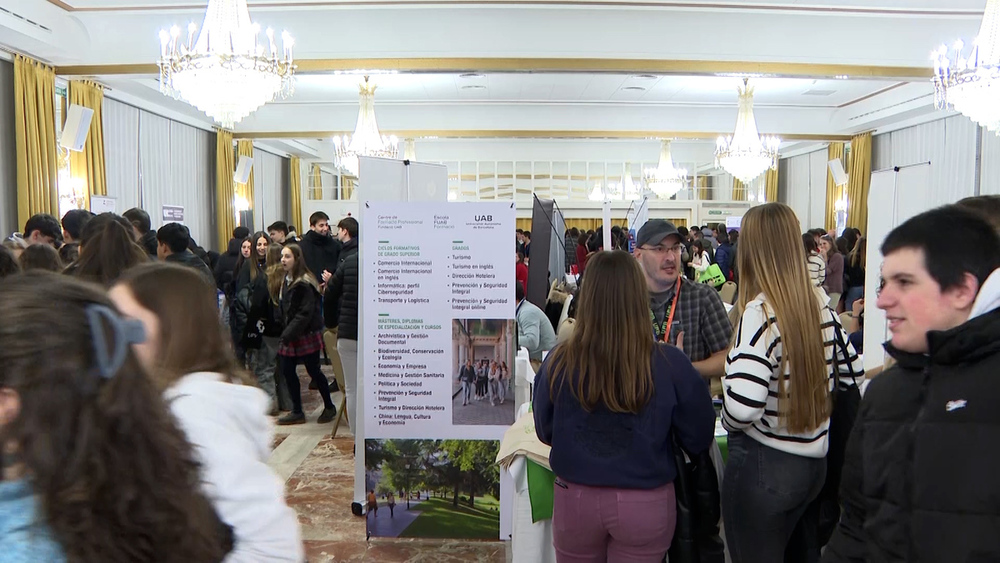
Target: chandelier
746	154
226	73
665	180
971	84
366	140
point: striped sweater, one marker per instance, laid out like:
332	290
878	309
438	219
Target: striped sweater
751	381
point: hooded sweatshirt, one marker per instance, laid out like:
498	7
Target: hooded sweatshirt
228	426
989	296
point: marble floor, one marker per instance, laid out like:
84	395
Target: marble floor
318	470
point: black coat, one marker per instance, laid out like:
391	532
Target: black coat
920	476
300	310
342	293
320	253
225	268
187	258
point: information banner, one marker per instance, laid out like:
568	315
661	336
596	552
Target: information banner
438	306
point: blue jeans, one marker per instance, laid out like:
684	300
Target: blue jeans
853	294
764	493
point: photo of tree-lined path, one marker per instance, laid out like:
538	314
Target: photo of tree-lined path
440	488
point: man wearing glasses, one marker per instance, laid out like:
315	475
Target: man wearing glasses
684	313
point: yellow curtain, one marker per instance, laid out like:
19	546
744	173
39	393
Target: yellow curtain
88	164
316	182
295	185
833	192
739	190
858	181
244	147
771	185
225	186
703	189
524	223
35	138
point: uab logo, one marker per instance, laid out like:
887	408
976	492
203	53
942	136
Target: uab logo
484	218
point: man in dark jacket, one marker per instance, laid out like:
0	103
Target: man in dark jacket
225	268
725	255
142	227
919	481
172	246
320	250
342	293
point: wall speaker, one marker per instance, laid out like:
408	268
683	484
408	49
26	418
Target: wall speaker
243	169
837	171
77	126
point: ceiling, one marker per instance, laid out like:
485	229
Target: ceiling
569	69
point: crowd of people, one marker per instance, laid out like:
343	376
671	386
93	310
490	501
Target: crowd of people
814	471
146	438
484	380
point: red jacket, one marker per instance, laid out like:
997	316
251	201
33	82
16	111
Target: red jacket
521	275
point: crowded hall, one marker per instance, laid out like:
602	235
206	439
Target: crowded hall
257	291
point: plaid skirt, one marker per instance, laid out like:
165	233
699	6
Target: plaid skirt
303	346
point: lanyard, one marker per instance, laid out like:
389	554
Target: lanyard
660	332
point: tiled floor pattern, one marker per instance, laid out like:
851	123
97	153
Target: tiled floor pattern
319	475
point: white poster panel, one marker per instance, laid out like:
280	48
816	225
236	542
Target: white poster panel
891	201
437	298
103	204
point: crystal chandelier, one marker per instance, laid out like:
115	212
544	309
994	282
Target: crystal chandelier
366	140
665	180
746	154
226	73
971	84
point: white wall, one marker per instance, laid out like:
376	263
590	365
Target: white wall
806	188
153	161
270	174
990	163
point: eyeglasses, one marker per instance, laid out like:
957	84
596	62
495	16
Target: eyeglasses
660	249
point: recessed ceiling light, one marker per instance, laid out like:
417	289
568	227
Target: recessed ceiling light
470	75
645	77
635	88
473	87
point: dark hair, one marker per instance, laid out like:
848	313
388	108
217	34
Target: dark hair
255	262
8	264
574	232
44	223
809	242
74	220
699	245
107	251
683	232
40	257
317	217
191	337
349	224
114	475
978	252
583	238
518	291
734	236
527	234
851	235
520	257
279	226
241	232
722	236
139	219
841	243
69	252
986	206
520	231
175	236
98	223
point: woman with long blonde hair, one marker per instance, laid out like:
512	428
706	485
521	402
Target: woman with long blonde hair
777	388
607	400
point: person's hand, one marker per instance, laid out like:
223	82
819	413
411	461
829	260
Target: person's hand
326	276
680	340
857	308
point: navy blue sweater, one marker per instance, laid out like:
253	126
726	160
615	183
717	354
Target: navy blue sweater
621	450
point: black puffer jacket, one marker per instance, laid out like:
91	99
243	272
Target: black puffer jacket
342	293
148	243
300	310
320	252
225	268
920	479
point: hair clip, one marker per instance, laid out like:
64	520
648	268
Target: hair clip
125	333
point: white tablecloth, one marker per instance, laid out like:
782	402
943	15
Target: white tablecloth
531	541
